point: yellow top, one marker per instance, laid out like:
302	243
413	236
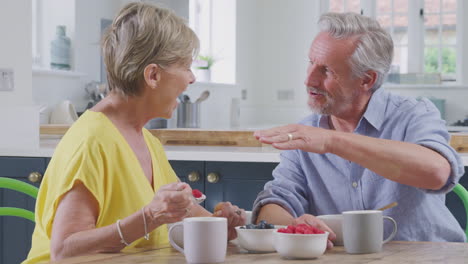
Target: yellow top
94	152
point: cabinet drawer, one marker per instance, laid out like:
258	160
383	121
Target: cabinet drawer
184	168
241	170
19	167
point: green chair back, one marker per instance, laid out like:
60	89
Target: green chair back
19	186
463	195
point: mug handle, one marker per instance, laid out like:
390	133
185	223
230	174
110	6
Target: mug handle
181	250
394	229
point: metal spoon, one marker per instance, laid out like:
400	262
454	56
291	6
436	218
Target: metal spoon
203	96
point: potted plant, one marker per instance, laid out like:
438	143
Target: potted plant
203	65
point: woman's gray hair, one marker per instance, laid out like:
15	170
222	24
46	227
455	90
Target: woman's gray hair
374	50
142	34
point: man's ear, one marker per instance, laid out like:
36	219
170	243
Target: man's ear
152	75
369	80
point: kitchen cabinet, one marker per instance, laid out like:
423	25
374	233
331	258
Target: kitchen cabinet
15	235
236	182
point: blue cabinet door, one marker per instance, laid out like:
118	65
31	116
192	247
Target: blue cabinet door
238	182
184	168
454	203
15	235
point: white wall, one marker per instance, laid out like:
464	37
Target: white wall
273	40
19	118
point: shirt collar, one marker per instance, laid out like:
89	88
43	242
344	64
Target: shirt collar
375	112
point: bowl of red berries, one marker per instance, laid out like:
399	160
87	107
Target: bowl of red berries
257	238
300	241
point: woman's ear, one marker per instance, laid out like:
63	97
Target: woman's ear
152	75
369	80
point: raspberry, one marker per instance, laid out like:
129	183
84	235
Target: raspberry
301	229
196	193
285	230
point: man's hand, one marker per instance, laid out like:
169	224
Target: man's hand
235	217
295	136
317	223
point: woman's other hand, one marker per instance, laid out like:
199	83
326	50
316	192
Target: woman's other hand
235	217
171	204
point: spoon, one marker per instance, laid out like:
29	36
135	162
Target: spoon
181	98
388	206
203	96
186	99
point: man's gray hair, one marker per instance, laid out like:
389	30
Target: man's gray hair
374	50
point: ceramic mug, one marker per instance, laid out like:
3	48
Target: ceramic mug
205	239
335	223
363	231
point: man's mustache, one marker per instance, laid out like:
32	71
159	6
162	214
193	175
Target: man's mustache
316	91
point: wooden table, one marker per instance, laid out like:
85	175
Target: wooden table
393	253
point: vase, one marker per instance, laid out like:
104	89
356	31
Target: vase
60	50
204	75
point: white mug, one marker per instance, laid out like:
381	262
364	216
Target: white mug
205	239
335	222
363	231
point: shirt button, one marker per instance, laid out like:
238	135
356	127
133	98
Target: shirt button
355	184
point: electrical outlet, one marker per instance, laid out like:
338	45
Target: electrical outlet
285	95
6	79
244	94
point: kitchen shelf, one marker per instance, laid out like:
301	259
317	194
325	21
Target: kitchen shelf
53	72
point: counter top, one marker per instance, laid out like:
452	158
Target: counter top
197	153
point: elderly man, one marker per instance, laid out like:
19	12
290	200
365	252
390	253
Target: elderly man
363	147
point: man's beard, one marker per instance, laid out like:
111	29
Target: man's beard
321	109
333	105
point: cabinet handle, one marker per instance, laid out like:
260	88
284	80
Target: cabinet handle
193	176
212	177
35	177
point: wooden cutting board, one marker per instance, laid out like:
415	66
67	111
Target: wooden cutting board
459	141
194	137
238	138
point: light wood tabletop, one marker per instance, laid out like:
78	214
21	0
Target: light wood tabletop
392	253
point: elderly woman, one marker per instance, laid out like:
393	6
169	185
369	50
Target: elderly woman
109	185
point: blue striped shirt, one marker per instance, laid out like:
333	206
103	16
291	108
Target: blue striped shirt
317	184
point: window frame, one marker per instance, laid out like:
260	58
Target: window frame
416	31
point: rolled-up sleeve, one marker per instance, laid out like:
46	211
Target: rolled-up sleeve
287	189
427	129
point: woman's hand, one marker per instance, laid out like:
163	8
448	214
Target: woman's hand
235	217
171	204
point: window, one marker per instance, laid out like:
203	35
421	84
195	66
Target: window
345	6
440	38
393	16
426	29
214	23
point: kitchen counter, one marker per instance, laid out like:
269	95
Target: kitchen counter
197	153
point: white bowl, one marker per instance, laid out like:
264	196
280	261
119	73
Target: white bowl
335	223
256	240
300	246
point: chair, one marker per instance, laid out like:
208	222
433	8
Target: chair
23	187
463	195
